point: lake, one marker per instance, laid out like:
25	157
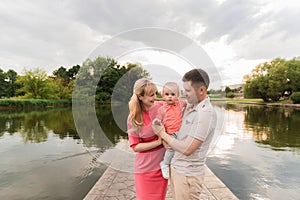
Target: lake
258	153
46	155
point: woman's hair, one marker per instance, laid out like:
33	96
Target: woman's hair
141	87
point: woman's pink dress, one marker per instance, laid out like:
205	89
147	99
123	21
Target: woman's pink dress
149	183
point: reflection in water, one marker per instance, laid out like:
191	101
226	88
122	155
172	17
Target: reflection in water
35	125
278	127
43	156
257	156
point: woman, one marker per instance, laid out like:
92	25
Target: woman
149	183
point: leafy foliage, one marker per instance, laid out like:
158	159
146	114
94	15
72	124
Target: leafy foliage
230	95
36	85
8	85
98	79
295	97
272	80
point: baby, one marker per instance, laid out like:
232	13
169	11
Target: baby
170	115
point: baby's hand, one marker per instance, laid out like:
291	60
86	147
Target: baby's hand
157	126
156	122
189	106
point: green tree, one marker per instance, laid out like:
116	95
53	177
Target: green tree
88	78
100	78
72	72
293	75
127	77
3	84
227	89
62	74
36	85
12	86
106	84
268	80
64	81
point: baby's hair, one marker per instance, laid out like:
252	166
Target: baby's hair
171	86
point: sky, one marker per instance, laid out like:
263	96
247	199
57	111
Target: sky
236	34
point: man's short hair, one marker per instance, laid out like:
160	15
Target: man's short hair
198	77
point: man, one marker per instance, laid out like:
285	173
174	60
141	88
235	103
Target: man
193	138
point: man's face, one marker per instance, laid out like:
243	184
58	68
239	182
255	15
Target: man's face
190	93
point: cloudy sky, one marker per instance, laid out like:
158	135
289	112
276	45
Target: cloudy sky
236	34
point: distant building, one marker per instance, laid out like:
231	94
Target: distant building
233	87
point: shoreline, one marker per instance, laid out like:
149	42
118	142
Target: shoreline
225	101
44	103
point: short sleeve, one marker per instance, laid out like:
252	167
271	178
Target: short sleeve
133	141
160	113
132	136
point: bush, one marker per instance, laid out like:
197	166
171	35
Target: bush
230	95
295	97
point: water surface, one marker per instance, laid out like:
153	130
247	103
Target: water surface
43	156
258	154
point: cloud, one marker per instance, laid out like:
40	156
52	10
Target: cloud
50	34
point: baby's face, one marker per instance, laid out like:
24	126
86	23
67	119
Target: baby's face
170	95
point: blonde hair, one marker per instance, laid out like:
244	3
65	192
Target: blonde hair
172	86
141	87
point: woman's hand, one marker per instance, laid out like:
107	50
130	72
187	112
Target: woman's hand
165	144
159	141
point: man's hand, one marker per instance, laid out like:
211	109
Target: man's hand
157	127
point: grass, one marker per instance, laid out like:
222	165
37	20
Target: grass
243	100
254	101
33	102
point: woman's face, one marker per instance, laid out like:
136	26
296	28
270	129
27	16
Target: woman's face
148	100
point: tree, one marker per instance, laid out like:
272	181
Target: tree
72	72
293	75
3	84
62	74
35	84
12	86
127	77
8	85
227	89
64	81
87	79
99	79
268	80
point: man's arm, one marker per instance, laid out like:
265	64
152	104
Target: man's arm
186	146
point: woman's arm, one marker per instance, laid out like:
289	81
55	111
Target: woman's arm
147	145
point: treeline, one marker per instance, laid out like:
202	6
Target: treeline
274	80
102	73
